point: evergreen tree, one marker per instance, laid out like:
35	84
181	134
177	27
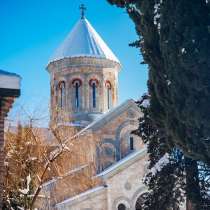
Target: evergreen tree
172	176
174	38
165	179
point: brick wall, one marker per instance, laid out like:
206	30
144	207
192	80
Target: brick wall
5	105
1	157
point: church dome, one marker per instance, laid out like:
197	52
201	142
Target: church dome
84	41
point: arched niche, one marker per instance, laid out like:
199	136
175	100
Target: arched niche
121	202
106	155
123	137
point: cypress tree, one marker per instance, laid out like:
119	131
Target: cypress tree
170	182
174	39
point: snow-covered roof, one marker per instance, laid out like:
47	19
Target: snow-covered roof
123	163
114	112
80	197
9	80
83	41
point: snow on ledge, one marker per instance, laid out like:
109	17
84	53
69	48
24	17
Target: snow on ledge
9	80
80	196
128	160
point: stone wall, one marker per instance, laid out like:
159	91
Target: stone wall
126	186
84	70
95	199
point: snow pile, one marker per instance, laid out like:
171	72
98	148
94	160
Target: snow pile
160	164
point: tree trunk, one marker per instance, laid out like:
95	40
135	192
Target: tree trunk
193	196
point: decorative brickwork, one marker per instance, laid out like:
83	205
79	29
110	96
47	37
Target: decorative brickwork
79	105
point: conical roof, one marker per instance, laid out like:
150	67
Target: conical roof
83	41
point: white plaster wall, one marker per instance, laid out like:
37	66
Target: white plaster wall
126	186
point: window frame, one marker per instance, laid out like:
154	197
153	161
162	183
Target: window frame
109	94
77	83
61	94
94	85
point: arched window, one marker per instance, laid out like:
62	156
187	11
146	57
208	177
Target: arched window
77	84
121	207
61	94
109	94
94	84
131	143
94	95
107	155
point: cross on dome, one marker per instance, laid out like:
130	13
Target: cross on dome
82	9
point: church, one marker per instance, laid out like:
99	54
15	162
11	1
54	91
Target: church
84	95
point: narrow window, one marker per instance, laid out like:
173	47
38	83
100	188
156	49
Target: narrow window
109	94
77	95
108	97
94	94
93	84
61	94
131	143
77	86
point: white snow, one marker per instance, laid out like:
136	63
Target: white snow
73	171
146	103
79	196
183	50
168	82
131	157
160	164
26	190
157	16
9	80
83	41
31	159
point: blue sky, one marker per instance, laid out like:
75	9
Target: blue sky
31	30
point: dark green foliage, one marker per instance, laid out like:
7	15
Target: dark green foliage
180	177
204	181
174	38
192	184
166	187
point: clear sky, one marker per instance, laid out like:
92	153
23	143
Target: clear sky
30	31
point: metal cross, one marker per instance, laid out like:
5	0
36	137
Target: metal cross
82	8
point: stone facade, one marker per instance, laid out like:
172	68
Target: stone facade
76	105
122	185
84	95
105	144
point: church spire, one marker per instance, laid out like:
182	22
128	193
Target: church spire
82	9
